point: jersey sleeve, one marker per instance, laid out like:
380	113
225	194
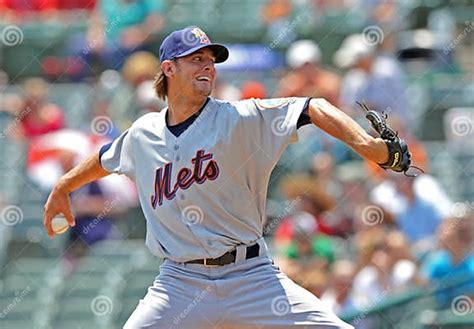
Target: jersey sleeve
271	124
117	157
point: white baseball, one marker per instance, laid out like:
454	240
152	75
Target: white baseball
59	224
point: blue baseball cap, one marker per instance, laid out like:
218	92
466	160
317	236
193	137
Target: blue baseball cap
186	41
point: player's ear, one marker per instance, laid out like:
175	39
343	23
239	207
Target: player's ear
168	68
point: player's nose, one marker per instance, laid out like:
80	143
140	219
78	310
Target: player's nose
209	66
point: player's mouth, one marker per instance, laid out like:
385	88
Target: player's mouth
204	78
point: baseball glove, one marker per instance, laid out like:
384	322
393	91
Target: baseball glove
399	159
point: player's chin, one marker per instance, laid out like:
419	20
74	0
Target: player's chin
204	88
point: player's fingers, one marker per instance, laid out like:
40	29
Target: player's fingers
69	217
47	217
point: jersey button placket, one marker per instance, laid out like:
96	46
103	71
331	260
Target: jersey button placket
176	160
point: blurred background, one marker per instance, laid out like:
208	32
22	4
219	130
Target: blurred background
381	250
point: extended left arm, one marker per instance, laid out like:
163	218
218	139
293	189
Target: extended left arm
338	124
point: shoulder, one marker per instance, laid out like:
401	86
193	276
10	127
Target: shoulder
147	122
233	108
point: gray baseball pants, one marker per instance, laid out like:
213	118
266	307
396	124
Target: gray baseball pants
249	293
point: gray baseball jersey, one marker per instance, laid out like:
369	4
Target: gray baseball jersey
204	192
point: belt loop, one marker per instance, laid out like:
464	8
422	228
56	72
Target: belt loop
263	247
241	252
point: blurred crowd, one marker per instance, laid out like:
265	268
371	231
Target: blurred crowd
350	233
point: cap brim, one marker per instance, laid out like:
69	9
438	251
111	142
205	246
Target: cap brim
220	51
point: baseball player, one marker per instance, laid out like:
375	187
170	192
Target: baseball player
202	168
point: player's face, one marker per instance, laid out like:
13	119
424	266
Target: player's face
197	72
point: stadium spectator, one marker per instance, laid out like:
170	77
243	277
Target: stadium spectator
275	10
138	70
117	29
298	238
425	187
454	260
253	89
419	220
311	198
307	77
312	278
29	8
100	118
415	217
226	91
34	114
337	295
385	274
77	4
276	15
375	79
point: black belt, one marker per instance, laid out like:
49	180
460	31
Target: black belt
228	258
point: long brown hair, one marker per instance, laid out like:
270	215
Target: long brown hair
161	85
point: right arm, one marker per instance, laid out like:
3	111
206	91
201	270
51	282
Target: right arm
339	125
59	202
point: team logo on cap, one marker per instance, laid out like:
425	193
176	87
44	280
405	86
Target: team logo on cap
199	34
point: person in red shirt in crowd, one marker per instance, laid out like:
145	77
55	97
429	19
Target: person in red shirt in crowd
35	116
253	89
45	5
29	5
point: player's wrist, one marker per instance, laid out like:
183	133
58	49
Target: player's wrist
383	152
377	151
63	186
